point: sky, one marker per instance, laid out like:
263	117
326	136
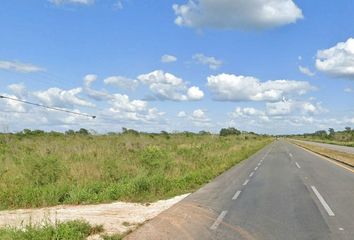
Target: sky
268	66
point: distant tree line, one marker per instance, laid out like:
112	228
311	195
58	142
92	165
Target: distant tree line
126	131
345	135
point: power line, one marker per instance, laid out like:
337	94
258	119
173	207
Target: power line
47	107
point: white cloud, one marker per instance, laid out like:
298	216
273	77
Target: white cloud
236	14
95	94
229	87
9	105
167	86
133	110
182	114
199	118
56	97
122	82
289	107
306	71
20	67
81	2
18	89
348	90
194	93
337	61
168	58
212	62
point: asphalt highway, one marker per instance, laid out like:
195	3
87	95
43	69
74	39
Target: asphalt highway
331	146
282	192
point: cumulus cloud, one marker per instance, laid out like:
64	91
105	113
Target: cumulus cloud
56	97
236	14
81	2
212	62
20	67
293	107
133	110
19	89
122	82
182	114
229	87
167	86
168	58
337	61
306	71
92	93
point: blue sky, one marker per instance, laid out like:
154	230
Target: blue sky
278	66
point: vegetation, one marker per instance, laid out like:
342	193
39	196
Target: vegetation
229	131
343	157
40	169
72	230
331	136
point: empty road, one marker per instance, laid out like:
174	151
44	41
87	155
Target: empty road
281	192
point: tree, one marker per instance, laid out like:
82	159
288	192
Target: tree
348	129
331	133
229	131
83	131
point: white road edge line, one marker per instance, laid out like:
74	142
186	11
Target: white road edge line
251	174
323	202
218	220
297	165
245	183
236	195
256	168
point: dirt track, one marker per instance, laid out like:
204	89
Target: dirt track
117	217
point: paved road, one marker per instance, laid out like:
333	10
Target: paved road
331	146
282	192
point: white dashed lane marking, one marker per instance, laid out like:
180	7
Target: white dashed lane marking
218	220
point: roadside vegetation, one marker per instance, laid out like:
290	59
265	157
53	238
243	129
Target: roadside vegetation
345	138
72	230
39	169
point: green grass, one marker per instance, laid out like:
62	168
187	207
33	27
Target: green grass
73	230
47	170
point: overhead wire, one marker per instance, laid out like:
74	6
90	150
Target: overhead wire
47	107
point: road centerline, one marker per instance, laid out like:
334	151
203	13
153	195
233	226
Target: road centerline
218	220
251	174
245	183
237	194
323	202
297	165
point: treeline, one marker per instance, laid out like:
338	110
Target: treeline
346	135
82	131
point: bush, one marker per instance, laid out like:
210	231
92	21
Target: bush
229	131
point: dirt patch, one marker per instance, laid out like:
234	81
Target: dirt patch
117	217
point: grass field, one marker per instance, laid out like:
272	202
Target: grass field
72	230
49	169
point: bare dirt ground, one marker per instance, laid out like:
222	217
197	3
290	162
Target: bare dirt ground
117	217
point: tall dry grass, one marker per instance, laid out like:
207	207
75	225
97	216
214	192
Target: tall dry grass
46	170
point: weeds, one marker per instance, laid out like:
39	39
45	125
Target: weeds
47	170
72	230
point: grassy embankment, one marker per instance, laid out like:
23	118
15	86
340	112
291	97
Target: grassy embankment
343	157
47	170
329	141
73	230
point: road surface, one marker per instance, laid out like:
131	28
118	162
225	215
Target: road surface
338	148
282	192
